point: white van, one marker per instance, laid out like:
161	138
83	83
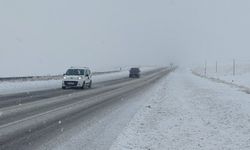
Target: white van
77	77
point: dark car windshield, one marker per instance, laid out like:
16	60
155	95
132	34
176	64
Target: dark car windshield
75	72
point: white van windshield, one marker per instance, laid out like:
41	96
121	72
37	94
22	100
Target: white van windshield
75	72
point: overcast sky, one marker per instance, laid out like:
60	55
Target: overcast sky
47	36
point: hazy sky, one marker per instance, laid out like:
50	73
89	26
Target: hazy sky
47	36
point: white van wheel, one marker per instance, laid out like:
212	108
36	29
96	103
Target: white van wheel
83	85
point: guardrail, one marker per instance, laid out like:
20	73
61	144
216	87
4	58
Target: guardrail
49	77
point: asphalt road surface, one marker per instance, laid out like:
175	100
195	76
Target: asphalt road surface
46	119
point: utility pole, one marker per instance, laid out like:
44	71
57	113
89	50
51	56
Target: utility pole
234	67
216	67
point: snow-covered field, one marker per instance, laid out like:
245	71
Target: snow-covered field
186	112
27	86
225	73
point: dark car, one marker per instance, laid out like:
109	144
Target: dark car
134	73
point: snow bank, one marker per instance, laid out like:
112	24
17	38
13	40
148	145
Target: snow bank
27	86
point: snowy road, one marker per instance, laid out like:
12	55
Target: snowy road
42	119
186	112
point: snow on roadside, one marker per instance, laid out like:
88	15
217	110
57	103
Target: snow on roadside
241	79
28	86
188	112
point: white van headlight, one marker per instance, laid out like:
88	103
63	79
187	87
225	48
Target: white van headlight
64	77
79	78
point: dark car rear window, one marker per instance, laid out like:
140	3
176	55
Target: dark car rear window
135	70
